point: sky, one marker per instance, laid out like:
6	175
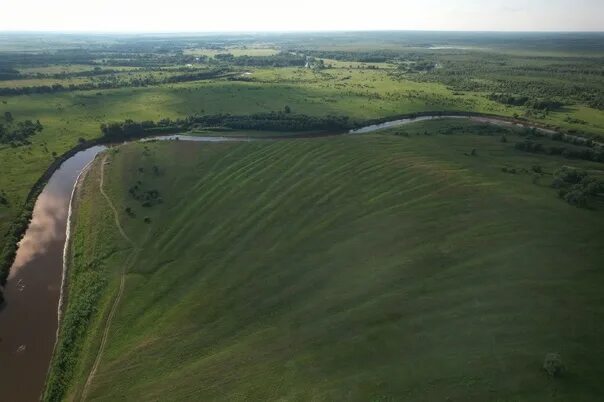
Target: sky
300	15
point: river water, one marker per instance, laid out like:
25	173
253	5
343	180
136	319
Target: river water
28	319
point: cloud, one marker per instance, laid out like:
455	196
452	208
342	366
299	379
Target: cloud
46	228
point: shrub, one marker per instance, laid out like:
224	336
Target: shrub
576	187
570	176
577	198
553	365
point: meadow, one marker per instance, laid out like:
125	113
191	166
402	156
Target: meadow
439	260
362	76
427	262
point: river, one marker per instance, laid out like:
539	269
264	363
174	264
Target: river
28	319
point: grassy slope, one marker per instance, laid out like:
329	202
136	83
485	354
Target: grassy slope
362	94
91	274
69	116
365	268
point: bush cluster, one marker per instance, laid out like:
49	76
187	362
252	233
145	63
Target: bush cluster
576	187
18	133
590	154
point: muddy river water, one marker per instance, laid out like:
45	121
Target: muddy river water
28	319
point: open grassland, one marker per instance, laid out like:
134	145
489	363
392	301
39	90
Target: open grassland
381	267
366	76
69	116
361	94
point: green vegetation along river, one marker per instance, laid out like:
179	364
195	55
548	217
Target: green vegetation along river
28	320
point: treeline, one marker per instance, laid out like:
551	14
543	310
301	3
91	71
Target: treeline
74	74
271	121
17	75
574	137
18	133
537	104
134	82
589	154
15	133
7	73
577	187
283	59
9	60
375	56
102	54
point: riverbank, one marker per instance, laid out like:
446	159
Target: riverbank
20	226
339	266
303	136
28	321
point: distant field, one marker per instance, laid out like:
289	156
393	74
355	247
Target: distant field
122	74
358	93
65	69
546	78
379	267
235	51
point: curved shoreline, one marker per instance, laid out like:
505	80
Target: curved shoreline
380	123
66	248
377	125
67	242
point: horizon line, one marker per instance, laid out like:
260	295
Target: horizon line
175	32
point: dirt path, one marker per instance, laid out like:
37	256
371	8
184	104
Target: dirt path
117	299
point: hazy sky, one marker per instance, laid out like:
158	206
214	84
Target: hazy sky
295	15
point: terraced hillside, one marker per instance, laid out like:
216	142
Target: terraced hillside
378	267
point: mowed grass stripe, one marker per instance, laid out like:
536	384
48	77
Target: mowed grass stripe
209	185
363	268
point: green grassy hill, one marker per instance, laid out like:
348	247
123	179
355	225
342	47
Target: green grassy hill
361	93
374	268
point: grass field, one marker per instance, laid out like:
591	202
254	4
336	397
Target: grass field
378	267
360	90
72	115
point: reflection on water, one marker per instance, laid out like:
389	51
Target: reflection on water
486	120
401	122
49	225
28	321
